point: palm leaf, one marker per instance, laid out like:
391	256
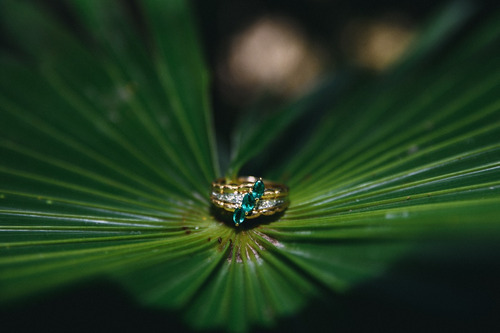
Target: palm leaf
108	151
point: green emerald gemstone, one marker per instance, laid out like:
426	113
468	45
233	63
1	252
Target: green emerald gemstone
258	189
248	203
238	216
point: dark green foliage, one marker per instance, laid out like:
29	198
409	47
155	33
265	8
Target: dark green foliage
107	152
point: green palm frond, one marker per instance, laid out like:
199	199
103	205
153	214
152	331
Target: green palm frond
107	152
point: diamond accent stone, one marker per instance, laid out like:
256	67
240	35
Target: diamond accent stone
237	198
234	198
266	204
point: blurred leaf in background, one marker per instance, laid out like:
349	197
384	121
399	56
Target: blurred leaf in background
108	147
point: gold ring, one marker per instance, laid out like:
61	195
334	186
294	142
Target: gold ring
249	197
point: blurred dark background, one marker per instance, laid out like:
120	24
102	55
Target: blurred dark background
266	52
263	53
293	42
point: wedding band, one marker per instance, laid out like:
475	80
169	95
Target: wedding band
249	197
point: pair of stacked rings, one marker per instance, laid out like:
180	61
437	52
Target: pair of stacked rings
249	197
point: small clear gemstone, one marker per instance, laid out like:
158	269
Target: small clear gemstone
248	202
238	216
234	198
265	204
258	189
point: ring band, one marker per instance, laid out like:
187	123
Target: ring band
249	197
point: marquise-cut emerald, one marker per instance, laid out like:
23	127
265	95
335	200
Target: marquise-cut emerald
248	203
238	216
258	189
